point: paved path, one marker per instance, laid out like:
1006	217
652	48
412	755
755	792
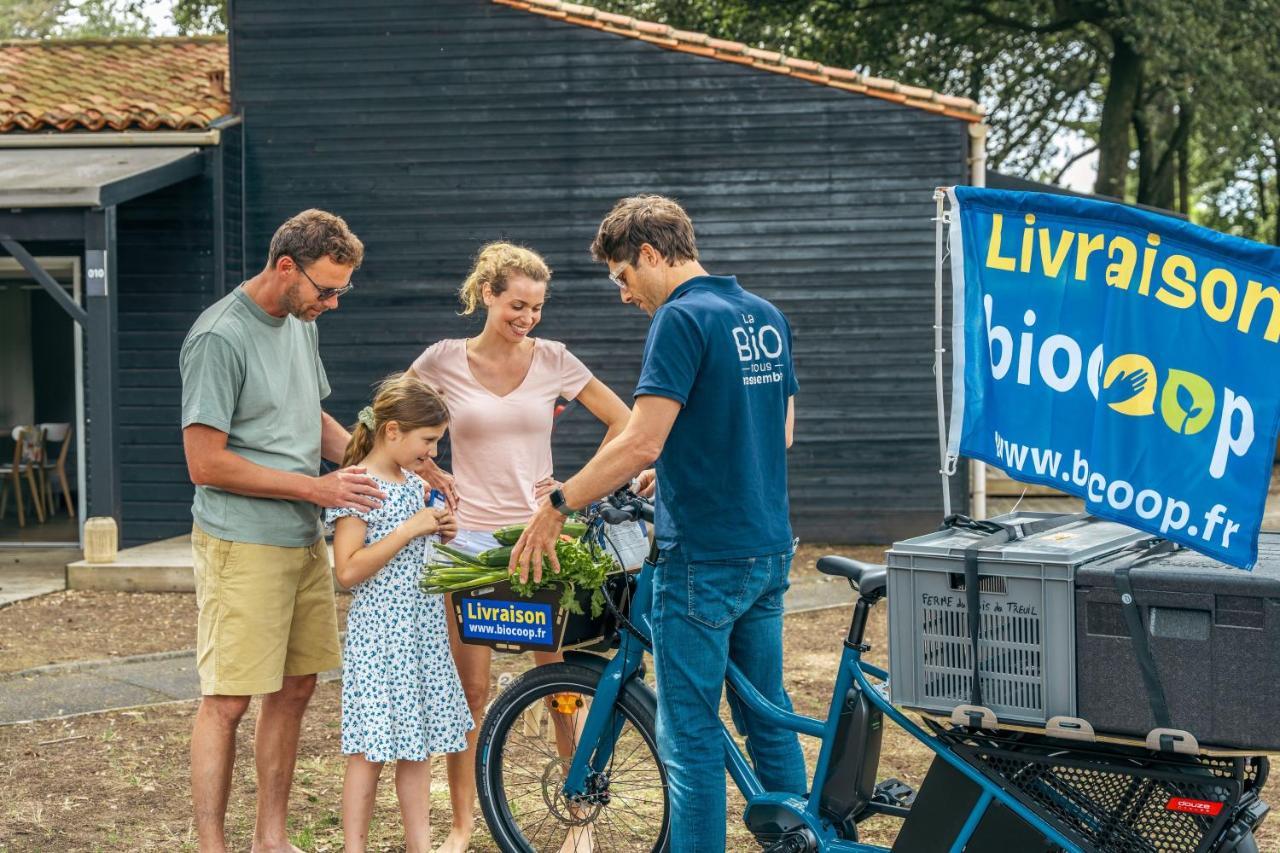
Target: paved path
28	572
83	687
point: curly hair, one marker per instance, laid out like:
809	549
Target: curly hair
493	267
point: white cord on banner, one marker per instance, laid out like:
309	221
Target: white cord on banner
1019	501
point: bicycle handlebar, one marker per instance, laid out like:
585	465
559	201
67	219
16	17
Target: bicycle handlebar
623	506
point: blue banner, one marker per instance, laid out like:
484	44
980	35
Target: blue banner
529	623
1125	357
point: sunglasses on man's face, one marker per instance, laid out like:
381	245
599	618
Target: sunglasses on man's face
325	293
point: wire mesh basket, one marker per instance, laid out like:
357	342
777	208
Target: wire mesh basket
1122	801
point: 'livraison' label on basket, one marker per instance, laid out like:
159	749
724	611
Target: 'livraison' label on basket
508	621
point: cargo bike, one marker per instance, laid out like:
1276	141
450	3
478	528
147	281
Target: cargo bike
991	787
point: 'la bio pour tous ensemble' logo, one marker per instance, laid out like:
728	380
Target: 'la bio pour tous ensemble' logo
759	351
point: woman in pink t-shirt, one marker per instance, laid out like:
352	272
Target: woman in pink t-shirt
501	388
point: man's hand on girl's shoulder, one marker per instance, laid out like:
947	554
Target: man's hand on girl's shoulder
348	488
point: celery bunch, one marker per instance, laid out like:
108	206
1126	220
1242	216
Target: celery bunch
451	570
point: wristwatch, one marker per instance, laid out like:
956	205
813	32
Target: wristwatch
557	501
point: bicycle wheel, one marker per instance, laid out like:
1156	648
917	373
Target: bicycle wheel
524	749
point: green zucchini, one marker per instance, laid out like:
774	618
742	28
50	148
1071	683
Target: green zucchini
495	556
510	534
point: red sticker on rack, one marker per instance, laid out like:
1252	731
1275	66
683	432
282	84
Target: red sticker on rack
1189	806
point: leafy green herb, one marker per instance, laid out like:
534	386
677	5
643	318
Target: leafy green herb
581	565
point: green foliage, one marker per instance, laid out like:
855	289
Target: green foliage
106	19
30	19
195	17
35	19
1178	96
69	19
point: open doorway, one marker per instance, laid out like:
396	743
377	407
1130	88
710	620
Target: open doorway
41	389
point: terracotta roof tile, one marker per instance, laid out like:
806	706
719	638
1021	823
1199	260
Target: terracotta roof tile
113	84
613	18
769	56
725	46
915	92
703	44
802	64
841	73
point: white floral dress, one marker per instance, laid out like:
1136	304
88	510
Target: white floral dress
401	697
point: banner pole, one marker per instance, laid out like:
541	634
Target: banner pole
940	198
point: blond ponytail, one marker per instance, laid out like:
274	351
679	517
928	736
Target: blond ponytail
493	267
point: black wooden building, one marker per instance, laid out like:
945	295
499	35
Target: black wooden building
436	127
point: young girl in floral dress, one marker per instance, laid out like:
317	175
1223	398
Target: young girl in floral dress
401	697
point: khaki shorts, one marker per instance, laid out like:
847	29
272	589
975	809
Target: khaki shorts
265	612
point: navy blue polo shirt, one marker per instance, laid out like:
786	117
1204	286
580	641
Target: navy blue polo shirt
725	355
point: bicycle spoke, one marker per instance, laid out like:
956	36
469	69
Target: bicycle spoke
623	808
614	817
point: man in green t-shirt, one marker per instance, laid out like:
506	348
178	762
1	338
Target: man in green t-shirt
254	434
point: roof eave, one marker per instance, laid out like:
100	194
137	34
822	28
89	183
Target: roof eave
708	46
211	135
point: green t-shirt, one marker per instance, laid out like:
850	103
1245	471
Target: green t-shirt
259	379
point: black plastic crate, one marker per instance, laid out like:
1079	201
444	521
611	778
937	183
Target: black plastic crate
497	616
1214	634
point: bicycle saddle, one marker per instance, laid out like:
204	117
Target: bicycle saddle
869	578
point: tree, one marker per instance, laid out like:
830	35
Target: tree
73	19
193	17
1151	83
30	19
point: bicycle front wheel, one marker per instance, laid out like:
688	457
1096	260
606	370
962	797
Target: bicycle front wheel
528	739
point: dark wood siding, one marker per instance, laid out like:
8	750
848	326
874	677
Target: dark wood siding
231	150
166	278
435	127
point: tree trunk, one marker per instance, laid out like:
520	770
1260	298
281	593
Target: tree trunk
1117	114
1160	137
1261	183
1184	177
1275	163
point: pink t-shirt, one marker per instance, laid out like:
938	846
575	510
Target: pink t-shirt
501	446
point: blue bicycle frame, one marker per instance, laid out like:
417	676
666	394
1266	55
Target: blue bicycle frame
602	727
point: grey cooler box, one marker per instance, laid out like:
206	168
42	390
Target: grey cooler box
1213	632
1027	643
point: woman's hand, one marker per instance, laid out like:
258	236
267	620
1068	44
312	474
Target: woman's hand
544	487
448	525
439	479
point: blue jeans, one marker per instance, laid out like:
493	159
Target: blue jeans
704	615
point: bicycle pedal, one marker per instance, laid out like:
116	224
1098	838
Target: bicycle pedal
894	792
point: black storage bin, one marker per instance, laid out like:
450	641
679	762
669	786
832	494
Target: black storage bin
1214	633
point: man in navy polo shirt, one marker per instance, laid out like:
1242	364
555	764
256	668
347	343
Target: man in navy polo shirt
714	408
